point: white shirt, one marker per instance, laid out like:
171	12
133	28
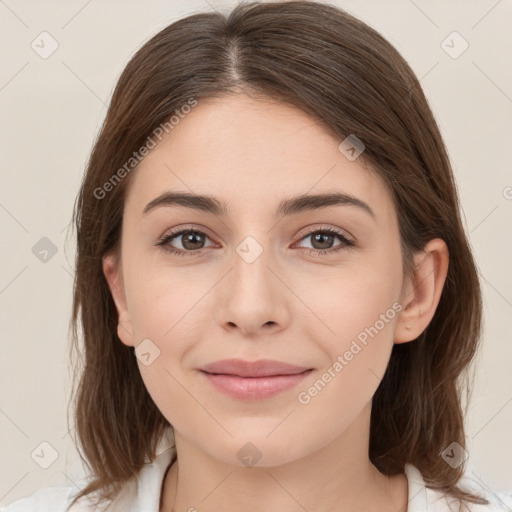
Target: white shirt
143	493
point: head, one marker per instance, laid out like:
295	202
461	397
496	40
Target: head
202	110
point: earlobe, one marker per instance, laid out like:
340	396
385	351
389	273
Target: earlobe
112	269
422	291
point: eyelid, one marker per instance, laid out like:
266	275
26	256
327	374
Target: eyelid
334	230
186	227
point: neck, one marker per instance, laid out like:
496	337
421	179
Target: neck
337	477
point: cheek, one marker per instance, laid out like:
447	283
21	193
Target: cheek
165	310
352	299
356	354
163	300
171	393
355	314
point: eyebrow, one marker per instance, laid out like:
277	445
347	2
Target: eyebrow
297	204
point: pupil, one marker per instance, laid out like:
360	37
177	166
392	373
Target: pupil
319	236
193	239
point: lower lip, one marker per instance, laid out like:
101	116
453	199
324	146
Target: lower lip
254	388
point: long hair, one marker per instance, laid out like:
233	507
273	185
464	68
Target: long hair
332	66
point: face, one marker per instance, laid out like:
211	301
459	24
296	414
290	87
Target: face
319	288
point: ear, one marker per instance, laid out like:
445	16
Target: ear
113	271
422	291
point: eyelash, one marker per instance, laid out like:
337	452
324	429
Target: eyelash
346	243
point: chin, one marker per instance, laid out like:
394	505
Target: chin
255	450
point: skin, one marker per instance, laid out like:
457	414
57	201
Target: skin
214	305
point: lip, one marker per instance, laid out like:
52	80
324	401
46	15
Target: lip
245	380
261	368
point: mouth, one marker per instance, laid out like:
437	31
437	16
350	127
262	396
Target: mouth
261	368
255	383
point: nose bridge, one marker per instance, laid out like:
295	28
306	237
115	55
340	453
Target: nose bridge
252	297
251	259
252	243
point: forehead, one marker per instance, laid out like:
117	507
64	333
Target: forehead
248	153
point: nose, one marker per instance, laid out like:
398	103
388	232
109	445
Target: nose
252	298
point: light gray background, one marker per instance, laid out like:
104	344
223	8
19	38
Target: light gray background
52	110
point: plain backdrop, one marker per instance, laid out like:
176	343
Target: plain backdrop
51	111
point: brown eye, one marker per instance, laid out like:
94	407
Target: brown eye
191	240
322	241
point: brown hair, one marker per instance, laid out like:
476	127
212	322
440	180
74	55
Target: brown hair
317	58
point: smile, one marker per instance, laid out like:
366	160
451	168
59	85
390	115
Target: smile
254	388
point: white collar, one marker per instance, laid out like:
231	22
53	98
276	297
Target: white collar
145	496
418	501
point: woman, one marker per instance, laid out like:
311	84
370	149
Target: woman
277	296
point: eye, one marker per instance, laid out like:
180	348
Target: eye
191	240
323	238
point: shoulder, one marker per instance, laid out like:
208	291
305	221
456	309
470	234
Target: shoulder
426	499
141	492
47	499
499	501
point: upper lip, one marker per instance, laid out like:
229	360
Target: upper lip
261	368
